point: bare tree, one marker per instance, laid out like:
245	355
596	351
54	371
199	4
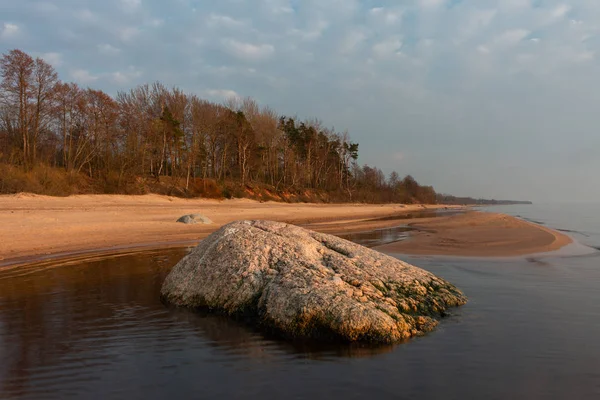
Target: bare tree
16	68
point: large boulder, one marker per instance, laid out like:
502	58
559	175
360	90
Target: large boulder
307	284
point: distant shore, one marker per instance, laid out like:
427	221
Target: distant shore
40	227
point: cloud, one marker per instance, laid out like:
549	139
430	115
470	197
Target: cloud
386	16
511	37
560	11
53	58
431	3
248	51
222	94
85	15
314	31
217	20
45	7
127	76
108	49
155	22
483	49
388	47
398	156
131	5
352	41
128	33
82	76
9	30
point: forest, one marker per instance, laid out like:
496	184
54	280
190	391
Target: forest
58	138
449	199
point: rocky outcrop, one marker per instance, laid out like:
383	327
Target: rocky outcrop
307	284
195	219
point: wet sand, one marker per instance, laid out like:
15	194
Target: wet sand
40	227
478	234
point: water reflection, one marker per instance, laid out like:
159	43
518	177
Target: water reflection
420	215
379	237
65	325
383	236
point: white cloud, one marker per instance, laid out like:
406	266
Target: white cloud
352	41
277	7
85	15
313	32
131	5
129	33
431	3
584	56
398	156
53	58
248	51
45	7
83	76
483	49
478	20
9	30
125	77
388	47
108	49
386	16
514	4
155	22
561	11
511	37
218	20
222	94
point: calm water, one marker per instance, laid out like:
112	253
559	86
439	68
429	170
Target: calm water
97	330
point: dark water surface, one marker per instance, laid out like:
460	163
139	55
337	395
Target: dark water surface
96	330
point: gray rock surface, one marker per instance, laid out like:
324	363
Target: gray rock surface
195	219
307	284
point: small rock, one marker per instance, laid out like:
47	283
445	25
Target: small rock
195	219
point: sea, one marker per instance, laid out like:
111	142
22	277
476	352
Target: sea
96	329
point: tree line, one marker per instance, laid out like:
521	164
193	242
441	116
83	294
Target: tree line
59	138
454	200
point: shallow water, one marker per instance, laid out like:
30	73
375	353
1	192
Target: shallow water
383	236
97	330
379	237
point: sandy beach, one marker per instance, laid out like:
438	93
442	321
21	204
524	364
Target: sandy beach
36	227
478	234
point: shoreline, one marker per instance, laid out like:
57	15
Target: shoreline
41	229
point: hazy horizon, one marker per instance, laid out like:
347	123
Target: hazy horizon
489	99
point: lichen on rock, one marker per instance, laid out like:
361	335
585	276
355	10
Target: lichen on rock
307	284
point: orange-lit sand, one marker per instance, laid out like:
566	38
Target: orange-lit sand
478	234
32	225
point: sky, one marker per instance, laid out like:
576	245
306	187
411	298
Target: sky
486	98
